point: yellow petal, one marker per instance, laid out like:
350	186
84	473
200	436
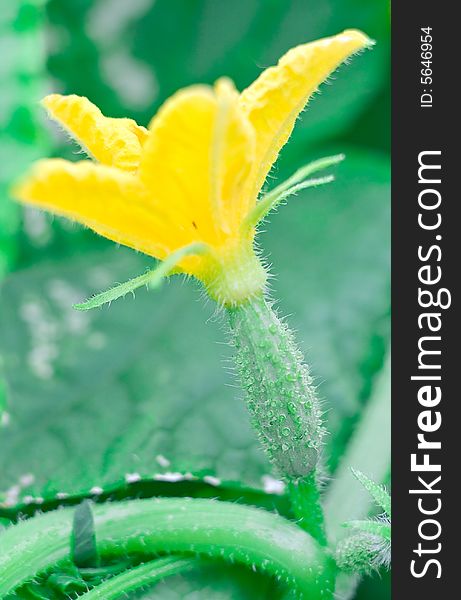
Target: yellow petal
274	101
197	160
103	198
232	157
113	142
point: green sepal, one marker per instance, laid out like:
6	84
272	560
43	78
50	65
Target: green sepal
294	184
377	491
151	279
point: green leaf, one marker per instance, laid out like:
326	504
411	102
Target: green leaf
140	390
106	397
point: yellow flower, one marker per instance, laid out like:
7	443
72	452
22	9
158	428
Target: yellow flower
185	190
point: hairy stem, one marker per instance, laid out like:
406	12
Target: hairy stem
305	503
214	529
139	577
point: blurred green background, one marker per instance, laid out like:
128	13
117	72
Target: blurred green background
88	398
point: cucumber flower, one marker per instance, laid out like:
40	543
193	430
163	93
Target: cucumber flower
186	189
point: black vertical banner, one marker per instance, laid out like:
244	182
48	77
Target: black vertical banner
426	255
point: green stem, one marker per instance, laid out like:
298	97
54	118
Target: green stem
306	505
138	577
232	532
370	452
